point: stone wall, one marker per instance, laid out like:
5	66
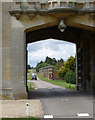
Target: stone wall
55	75
21	17
85	62
49	73
13	56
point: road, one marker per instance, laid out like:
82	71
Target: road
43	84
60	102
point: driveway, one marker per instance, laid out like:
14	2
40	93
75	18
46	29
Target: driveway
62	103
42	84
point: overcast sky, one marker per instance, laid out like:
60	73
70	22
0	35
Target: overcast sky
38	51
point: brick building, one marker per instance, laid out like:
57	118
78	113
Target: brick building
48	72
55	75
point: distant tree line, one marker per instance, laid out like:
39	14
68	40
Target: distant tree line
66	69
29	67
50	61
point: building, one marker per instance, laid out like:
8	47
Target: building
48	72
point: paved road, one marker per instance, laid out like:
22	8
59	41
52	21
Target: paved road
42	84
62	103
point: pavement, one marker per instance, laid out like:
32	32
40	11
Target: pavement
60	102
17	108
63	103
52	100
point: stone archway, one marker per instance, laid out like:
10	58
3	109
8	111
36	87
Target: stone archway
17	21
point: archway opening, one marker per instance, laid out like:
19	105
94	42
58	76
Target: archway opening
70	34
65	95
47	59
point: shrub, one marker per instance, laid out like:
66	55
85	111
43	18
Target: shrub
62	72
70	77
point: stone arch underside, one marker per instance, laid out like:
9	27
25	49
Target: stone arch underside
70	34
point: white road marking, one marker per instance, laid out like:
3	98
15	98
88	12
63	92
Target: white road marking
83	114
64	99
48	116
36	88
63	88
50	88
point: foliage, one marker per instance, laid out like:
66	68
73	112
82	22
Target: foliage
70	77
50	61
29	75
59	64
32	85
61	60
69	65
40	65
28	67
62	72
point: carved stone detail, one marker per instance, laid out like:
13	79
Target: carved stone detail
17	15
15	7
31	16
31	7
37	5
24	5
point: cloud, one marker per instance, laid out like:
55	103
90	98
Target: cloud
51	48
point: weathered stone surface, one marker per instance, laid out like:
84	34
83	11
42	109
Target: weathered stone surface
22	18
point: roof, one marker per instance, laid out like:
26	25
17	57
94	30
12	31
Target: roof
50	66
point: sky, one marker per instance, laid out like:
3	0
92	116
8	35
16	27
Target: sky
38	51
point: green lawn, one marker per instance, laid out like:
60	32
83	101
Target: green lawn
29	75
19	119
32	85
58	82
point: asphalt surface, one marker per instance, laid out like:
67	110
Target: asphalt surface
43	84
63	103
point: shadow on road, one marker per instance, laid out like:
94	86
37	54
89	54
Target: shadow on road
56	92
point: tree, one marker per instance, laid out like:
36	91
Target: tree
58	65
61	60
69	65
40	65
48	60
70	77
62	72
54	61
28	67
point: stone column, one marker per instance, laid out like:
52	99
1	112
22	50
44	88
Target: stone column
0	50
88	45
6	51
92	63
86	63
18	72
1	58
26	68
77	67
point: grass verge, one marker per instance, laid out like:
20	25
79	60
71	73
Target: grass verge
20	118
29	76
30	87
58	82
